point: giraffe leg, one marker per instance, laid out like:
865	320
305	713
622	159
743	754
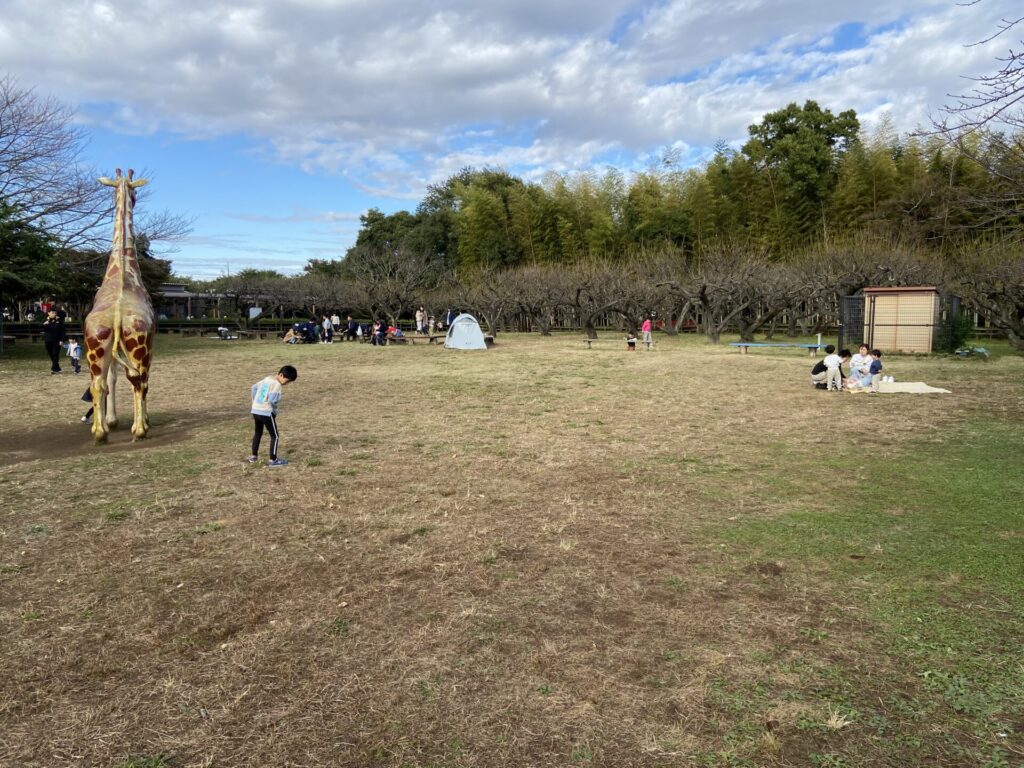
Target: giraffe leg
110	414
141	353
141	424
99	406
98	355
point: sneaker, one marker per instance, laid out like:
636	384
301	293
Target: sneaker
86	419
277	462
253	459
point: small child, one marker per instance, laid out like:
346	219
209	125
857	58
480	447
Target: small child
834	368
631	342
75	353
266	394
876	370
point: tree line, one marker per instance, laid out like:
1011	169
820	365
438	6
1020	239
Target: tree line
759	238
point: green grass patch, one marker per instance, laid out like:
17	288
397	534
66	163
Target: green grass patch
931	542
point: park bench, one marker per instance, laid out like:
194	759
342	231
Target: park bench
10	340
812	348
649	344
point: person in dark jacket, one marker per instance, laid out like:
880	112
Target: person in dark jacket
53	335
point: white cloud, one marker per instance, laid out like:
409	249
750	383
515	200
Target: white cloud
395	94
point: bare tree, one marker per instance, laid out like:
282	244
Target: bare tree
593	292
393	280
540	291
986	125
995	100
993	284
43	177
490	295
671	300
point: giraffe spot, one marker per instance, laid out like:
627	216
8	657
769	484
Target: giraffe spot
96	370
139	325
103	333
99	352
139	352
114	271
130	343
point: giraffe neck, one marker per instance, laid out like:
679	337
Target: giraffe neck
123	262
124	224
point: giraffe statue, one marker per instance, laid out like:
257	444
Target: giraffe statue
121	326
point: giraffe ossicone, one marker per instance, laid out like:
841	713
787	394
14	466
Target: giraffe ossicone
120	329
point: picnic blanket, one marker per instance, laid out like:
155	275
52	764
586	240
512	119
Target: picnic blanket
911	387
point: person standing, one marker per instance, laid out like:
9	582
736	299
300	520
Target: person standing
421	317
646	330
266	394
53	337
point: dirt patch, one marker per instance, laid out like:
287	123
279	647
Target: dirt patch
770	570
63	441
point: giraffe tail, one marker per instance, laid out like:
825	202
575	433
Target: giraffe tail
120	352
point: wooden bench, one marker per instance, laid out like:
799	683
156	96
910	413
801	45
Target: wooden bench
811	348
649	344
10	340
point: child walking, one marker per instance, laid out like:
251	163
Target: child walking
75	354
266	394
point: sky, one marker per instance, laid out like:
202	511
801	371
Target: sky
274	124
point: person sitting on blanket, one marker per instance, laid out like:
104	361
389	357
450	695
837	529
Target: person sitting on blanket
860	364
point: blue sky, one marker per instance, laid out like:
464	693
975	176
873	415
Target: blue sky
275	123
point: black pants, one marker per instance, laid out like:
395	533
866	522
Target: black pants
270	422
53	350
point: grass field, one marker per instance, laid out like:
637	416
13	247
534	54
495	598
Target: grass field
537	555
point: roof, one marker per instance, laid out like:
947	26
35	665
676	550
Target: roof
902	289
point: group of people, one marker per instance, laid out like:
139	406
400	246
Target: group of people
865	370
377	333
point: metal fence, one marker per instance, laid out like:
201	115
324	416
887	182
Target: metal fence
861	323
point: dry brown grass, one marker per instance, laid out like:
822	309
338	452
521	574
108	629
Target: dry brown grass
491	559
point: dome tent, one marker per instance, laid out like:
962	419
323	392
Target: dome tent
464	333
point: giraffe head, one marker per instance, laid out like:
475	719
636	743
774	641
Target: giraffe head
124	205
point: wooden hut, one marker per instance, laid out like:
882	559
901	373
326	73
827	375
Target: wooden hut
901	319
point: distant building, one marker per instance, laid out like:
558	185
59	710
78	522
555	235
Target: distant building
176	302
